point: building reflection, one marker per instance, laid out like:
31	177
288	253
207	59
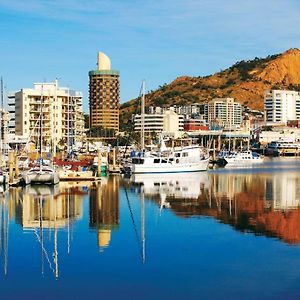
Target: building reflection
44	208
266	204
60	205
104	209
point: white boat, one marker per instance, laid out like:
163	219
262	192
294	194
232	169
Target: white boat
243	158
41	174
172	160
2	177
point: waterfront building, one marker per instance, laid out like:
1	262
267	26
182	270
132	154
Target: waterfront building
188	111
281	106
224	113
104	98
194	124
169	121
60	109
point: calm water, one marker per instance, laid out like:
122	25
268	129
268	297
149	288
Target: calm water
231	234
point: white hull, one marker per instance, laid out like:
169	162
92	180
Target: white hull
2	179
170	168
41	176
243	159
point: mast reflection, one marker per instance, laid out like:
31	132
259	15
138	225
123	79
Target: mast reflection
105	209
45	209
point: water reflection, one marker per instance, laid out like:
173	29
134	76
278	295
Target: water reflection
5	214
104	209
266	204
42	211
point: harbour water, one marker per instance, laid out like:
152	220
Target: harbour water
225	233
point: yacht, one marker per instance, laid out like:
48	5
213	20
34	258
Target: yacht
172	160
243	158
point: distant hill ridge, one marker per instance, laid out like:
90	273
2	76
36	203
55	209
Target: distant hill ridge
245	81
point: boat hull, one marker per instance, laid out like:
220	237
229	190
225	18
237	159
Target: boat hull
171	168
42	178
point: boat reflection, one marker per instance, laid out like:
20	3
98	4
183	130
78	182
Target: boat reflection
104	209
265	204
171	187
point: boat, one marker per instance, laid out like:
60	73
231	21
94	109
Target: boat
40	173
243	158
173	160
282	148
76	175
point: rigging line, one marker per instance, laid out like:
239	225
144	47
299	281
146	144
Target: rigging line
132	123
134	225
46	254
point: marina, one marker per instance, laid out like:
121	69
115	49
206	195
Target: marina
125	229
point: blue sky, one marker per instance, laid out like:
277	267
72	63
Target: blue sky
152	40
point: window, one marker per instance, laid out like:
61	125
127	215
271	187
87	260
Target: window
156	160
185	154
177	154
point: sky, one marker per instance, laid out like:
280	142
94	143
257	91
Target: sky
151	40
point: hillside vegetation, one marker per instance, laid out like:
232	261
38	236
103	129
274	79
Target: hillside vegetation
245	81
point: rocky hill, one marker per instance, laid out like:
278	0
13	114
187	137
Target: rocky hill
245	81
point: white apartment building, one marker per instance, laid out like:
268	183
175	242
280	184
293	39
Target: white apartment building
224	113
169	121
60	110
281	106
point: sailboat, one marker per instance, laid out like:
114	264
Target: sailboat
41	173
166	160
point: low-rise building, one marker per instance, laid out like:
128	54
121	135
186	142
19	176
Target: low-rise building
169	121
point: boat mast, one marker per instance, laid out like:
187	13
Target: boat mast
143	116
41	123
68	122
2	123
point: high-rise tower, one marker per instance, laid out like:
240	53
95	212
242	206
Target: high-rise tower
104	92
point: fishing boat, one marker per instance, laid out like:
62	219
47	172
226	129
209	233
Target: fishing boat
41	173
243	158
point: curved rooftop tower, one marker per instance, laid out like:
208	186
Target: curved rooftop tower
104	98
103	61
